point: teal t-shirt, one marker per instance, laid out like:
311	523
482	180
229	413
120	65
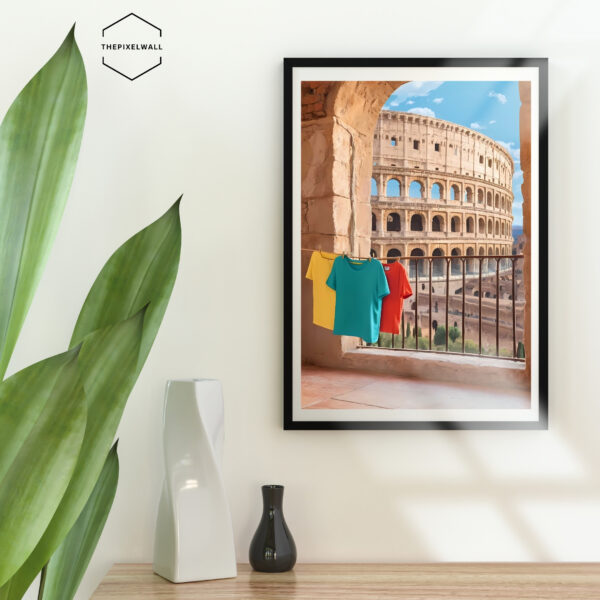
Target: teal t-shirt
359	286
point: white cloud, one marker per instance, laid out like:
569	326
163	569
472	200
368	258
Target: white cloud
422	110
492	122
518	174
512	150
438	100
409	102
476	125
412	89
500	97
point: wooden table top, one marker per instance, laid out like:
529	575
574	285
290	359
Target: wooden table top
427	581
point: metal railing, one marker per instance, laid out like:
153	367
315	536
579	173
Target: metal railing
421	270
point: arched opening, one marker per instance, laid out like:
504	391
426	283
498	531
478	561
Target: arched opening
497	201
393	254
372	253
393	141
455	263
437	191
468	194
489	198
479	196
454	192
392	189
455	224
373	222
497	228
416	189
373	187
416	223
421	265
438	263
481	225
490	228
470	261
470	225
437	223
393	222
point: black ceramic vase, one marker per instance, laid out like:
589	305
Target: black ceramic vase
272	548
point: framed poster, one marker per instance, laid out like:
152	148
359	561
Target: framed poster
415	275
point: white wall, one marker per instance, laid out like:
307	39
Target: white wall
209	123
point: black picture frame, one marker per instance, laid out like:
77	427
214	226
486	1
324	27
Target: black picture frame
541	64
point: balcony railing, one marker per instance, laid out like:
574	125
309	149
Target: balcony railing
482	315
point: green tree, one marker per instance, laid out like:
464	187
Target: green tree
521	350
439	339
408	330
454	333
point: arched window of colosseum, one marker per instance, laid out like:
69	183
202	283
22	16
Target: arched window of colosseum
373	253
393	222
455	224
416	223
454	192
421	263
470	226
415	144
437	223
490	163
470	261
497	251
436	147
497	201
481	226
455	263
437	264
481	251
373	222
392	189
373	187
416	189
497	228
480	196
468	194
437	191
490	227
481	159
489	198
393	141
393	254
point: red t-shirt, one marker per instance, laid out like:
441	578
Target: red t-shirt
391	308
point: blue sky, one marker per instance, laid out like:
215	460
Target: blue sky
491	107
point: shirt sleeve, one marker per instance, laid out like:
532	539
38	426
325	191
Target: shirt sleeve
332	279
309	272
405	289
383	289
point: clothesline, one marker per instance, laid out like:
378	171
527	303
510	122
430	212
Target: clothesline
386	258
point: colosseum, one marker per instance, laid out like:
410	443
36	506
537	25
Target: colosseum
439	189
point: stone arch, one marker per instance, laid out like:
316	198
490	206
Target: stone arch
497	201
490	227
437	264
392	254
470	261
416	222
393	141
415	189
455	263
489	198
393	222
372	253
420	264
437	191
497	228
454	192
481	225
373	187
468	194
437	223
470	225
392	188
479	196
455	224
373	222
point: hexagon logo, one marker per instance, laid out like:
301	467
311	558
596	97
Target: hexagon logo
132	46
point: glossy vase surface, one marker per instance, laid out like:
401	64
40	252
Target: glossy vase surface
272	549
194	536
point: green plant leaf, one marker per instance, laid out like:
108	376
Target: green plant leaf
42	425
107	367
142	271
63	574
40	138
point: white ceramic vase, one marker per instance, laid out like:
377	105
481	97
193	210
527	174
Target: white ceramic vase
194	537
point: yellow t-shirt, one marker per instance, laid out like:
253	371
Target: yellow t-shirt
323	296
